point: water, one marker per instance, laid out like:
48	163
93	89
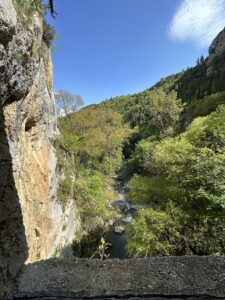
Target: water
117	236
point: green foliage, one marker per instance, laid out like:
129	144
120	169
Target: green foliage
24	6
18	56
26	9
101	251
90	198
154	233
208	131
157	106
89	152
201	90
186	172
94	213
189	168
165	109
101	134
154	113
154	108
137	164
151	191
202	107
198	82
49	34
66	149
175	162
174	232
64	191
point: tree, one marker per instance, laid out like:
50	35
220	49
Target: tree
155	233
101	132
202	60
165	109
49	34
67	103
185	172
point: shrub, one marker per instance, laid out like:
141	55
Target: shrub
49	34
185	172
154	233
65	189
174	232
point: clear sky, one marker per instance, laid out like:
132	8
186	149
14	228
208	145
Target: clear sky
108	48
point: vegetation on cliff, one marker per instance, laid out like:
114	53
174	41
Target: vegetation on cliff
25	11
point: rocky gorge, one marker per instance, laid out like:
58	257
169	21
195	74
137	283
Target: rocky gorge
36	230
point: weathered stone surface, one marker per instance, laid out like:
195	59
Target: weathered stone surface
218	45
31	126
30	215
20	58
13	246
119	227
8	20
129	298
216	49
179	277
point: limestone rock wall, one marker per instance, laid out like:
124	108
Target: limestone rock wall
217	48
31	126
33	224
218	44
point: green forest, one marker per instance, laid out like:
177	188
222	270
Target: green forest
169	142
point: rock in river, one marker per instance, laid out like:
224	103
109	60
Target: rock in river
119	228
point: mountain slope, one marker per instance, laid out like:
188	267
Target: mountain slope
200	88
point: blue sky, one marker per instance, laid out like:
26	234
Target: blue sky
108	48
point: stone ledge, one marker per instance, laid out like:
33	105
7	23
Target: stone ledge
136	298
155	278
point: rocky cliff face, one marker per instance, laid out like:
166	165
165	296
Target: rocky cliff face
33	224
216	49
218	45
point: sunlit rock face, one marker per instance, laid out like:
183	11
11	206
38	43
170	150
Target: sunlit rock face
218	44
8	20
217	48
33	224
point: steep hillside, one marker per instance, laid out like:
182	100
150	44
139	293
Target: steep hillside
201	88
207	77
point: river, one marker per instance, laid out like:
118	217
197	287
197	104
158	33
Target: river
117	235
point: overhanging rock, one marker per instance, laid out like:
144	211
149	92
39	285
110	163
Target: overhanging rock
154	278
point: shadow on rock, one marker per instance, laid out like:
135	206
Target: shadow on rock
13	245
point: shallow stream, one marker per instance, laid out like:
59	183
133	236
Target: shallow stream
117	235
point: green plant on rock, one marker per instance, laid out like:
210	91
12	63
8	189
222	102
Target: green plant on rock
36	6
101	251
49	34
18	56
32	6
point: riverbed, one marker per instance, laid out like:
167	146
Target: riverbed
117	235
